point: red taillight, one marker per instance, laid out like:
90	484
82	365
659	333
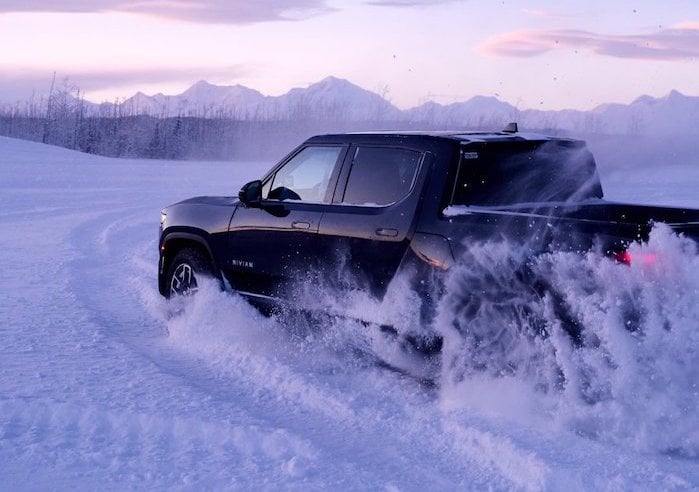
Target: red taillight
623	257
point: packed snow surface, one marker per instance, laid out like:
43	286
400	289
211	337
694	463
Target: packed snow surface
105	385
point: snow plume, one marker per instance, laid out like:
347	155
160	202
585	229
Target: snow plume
277	353
596	347
628	374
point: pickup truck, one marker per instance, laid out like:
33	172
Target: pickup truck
353	211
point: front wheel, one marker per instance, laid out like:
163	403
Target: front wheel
187	265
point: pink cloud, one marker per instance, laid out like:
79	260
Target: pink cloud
408	3
20	83
687	25
680	42
206	11
545	14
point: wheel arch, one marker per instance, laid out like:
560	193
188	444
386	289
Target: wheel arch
172	242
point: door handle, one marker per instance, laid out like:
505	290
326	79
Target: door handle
382	231
298	224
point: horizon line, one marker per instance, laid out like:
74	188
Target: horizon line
121	100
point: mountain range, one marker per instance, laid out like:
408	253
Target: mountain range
335	99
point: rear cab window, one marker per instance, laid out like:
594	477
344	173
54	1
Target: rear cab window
508	173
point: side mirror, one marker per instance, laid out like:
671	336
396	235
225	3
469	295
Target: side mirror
251	194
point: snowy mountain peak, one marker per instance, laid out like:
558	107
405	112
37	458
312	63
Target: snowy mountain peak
672	97
332	79
488	103
331	85
204	90
335	98
201	84
335	82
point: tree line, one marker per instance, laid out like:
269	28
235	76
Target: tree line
65	119
143	136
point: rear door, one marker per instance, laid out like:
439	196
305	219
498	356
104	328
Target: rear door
367	228
270	248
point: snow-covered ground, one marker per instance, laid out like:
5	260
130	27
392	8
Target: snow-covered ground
104	385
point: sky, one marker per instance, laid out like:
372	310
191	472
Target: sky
543	54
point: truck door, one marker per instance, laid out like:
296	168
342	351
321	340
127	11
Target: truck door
369	225
271	247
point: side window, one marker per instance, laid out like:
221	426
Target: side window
305	177
380	175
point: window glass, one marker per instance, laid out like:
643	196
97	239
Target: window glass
266	187
306	176
526	172
380	175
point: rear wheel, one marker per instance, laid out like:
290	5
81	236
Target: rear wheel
186	267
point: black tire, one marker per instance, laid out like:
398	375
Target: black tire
187	265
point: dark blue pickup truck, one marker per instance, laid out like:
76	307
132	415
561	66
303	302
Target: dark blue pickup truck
354	210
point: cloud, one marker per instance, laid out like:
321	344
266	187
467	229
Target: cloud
19	84
203	11
409	3
687	25
679	42
545	14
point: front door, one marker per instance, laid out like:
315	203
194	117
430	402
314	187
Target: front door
272	247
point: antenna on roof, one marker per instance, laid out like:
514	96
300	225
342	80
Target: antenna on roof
510	128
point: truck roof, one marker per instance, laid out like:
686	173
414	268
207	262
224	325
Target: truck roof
454	136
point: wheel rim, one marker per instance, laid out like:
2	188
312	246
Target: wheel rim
183	280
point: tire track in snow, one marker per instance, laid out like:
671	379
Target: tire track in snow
123	444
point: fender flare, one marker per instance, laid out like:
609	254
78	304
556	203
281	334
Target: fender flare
194	236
